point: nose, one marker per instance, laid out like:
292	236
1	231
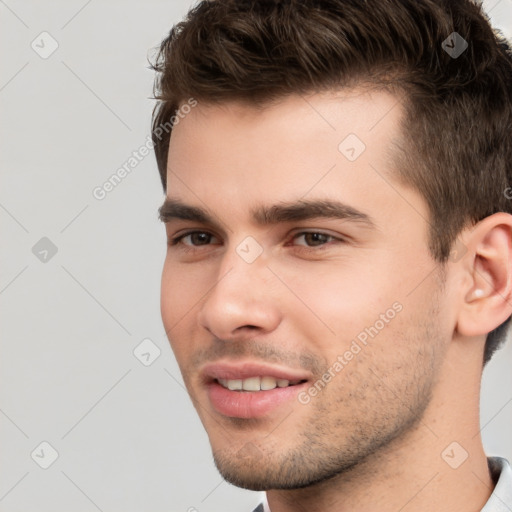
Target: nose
240	303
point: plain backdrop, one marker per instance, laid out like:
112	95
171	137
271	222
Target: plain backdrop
80	276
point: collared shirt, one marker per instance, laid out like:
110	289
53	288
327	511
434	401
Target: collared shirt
501	498
499	501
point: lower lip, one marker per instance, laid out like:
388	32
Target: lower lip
250	404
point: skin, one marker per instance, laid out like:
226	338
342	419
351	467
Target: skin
374	436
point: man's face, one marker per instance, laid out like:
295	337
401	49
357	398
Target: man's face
272	284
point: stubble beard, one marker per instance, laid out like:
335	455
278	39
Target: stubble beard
345	429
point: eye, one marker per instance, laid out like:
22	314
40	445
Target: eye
313	238
193	239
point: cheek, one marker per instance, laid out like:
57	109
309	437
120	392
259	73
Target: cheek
181	291
182	286
363	305
335	302
169	304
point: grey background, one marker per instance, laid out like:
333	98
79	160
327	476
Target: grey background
127	436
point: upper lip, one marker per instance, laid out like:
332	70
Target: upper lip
244	370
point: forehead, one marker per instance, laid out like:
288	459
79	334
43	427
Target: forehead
234	156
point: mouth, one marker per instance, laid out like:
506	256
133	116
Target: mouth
251	390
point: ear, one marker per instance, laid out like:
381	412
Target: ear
487	264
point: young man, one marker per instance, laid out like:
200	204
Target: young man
339	265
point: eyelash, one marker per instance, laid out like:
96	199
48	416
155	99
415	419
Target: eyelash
178	240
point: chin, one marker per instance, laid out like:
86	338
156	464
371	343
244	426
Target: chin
258	473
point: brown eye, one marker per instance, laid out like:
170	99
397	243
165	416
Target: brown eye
199	238
313	239
194	239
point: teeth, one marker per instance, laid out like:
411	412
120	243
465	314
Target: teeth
234	385
268	383
251	384
255	383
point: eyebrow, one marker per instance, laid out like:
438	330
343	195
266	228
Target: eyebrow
270	215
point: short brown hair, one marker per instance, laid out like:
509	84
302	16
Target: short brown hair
457	149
